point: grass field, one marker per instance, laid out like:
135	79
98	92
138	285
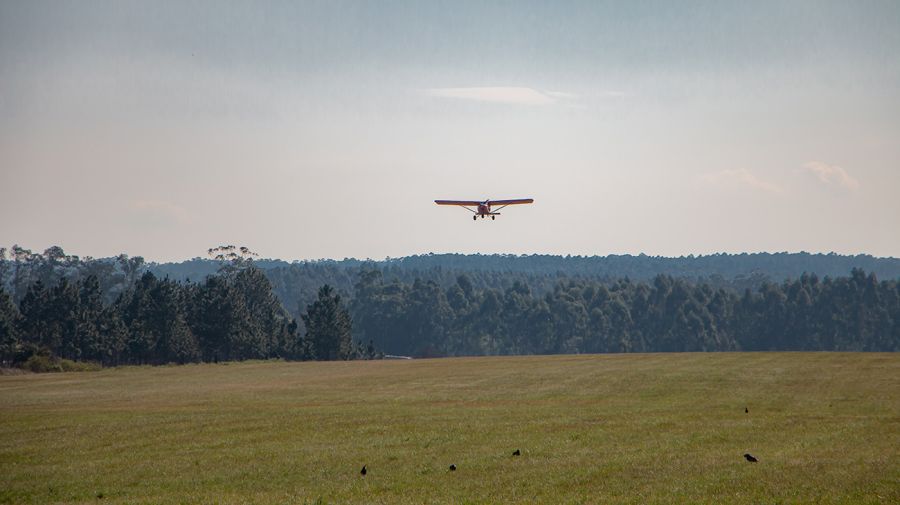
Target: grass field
664	428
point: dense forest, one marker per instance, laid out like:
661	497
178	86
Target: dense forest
122	310
296	283
233	315
854	313
775	266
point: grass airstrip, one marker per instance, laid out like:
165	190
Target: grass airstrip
653	428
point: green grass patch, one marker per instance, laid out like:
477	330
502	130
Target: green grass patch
656	428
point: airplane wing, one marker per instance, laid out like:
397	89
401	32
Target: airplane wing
512	202
458	202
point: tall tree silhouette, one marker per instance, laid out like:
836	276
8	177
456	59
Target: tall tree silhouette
328	327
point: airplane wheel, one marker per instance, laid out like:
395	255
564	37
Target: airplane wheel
493	218
474	218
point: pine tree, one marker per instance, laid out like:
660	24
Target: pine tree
381	309
135	306
176	342
33	323
62	320
427	318
268	319
328	327
9	318
90	308
113	337
220	320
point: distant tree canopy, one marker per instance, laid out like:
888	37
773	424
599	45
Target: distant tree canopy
296	284
232	259
117	311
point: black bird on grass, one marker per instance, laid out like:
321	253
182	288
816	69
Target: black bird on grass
750	458
746	410
452	468
363	471
517	453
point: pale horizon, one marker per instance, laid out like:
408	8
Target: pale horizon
264	257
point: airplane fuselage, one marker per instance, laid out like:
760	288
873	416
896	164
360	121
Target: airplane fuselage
484	210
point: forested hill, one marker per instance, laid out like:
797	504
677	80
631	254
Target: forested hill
774	266
296	283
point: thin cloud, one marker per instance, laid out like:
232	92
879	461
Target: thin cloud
562	94
741	177
831	175
499	94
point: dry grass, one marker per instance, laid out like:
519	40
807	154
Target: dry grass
664	428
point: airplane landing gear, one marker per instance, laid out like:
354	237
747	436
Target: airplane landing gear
493	218
474	218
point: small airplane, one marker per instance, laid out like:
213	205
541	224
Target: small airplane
484	208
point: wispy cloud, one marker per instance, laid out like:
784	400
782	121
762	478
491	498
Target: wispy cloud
831	175
561	94
500	94
741	177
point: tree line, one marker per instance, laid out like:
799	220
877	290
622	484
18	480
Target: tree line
120	312
296	284
855	313
233	315
776	266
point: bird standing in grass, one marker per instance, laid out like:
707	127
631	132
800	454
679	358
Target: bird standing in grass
452	468
750	458
517	453
746	410
363	471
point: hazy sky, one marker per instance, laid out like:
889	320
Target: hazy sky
327	129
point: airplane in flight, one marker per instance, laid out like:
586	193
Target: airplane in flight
484	208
